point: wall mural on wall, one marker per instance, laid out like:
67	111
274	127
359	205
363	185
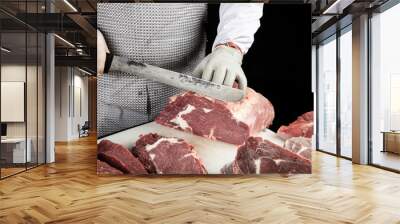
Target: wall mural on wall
147	127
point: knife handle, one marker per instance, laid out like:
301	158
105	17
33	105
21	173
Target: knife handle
123	64
109	59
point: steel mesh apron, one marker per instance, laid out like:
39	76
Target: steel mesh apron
170	36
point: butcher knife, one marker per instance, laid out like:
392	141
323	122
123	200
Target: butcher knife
179	80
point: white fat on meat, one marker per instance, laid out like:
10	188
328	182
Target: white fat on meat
303	149
211	135
191	154
258	165
257	162
182	123
242	110
155	144
298	144
278	161
207	110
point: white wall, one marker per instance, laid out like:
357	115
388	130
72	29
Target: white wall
69	82
79	113
33	127
62	81
16	72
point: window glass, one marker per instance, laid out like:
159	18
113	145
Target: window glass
22	89
327	96
385	88
14	148
346	94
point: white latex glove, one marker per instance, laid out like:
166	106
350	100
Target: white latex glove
222	66
102	49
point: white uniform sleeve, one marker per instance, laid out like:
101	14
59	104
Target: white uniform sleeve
238	22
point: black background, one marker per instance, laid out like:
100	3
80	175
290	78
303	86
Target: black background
278	65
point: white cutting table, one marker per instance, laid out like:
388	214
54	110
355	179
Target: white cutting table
214	154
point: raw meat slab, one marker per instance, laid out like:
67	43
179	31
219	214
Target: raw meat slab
119	157
302	127
165	155
230	122
300	145
104	168
260	156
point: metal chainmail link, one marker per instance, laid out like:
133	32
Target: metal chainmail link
170	36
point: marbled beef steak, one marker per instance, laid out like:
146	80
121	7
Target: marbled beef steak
259	156
299	145
104	145
230	122
166	155
119	157
302	127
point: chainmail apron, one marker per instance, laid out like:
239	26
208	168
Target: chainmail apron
170	36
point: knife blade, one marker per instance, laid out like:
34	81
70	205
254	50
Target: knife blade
176	79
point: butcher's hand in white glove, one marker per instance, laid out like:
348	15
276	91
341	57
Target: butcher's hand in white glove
102	49
222	66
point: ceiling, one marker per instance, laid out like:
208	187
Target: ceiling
74	22
332	15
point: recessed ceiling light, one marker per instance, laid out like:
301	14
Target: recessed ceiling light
84	71
70	5
64	40
5	50
338	6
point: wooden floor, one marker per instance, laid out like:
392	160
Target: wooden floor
10	171
69	191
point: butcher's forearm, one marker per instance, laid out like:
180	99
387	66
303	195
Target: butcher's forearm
238	24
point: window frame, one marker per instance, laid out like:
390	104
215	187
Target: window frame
27	29
381	9
334	37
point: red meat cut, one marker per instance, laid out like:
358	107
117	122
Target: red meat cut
104	168
119	157
299	145
260	156
166	155
104	145
230	122
302	127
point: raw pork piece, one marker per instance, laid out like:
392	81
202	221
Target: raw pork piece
230	122
302	127
119	157
299	145
165	155
260	156
104	168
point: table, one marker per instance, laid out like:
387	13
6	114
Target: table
13	150
391	141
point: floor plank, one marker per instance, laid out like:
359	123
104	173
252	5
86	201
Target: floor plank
69	191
